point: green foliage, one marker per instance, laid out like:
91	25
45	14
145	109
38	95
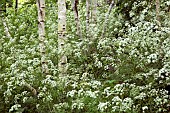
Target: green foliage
125	71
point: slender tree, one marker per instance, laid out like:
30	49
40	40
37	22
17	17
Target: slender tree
16	5
161	39
87	16
91	15
41	28
76	16
94	11
107	16
157	11
62	63
4	19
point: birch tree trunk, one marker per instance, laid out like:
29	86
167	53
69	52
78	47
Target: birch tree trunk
161	39
4	19
76	16
87	16
91	16
62	63
94	11
41	28
157	12
106	18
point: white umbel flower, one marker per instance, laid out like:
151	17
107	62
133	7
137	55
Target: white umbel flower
103	106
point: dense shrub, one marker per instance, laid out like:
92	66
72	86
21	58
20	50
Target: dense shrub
125	71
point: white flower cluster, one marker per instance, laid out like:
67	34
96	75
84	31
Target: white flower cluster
144	108
40	95
98	64
36	61
163	70
80	92
8	92
103	106
60	106
122	105
160	100
152	58
95	84
107	91
47	98
49	81
118	89
141	96
153	92
77	104
92	94
71	93
126	104
124	42
84	76
15	107
116	101
25	99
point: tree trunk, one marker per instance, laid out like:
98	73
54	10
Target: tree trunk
161	39
157	12
87	16
16	5
157	9
91	16
41	28
76	16
94	11
4	19
62	63
106	18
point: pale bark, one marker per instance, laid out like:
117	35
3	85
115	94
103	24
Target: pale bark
32	89
41	28
76	16
91	16
62	63
157	12
160	50
106	18
94	11
4	20
87	16
6	27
